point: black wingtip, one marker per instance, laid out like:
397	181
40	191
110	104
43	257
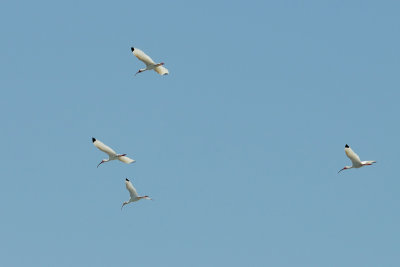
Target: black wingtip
346	146
93	139
126	179
132	49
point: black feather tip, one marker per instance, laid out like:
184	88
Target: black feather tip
346	146
132	49
126	179
93	139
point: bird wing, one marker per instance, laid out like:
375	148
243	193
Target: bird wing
131	189
161	70
355	159
143	57
106	149
126	159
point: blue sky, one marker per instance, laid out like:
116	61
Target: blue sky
239	146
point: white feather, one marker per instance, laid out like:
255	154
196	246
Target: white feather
143	57
106	149
132	191
355	159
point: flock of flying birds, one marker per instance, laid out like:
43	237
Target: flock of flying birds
160	69
112	155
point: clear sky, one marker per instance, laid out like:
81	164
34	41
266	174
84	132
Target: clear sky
239	146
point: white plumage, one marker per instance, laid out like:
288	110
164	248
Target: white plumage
355	159
112	155
133	193
150	64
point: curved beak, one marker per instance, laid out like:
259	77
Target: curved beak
123	204
100	163
137	72
341	170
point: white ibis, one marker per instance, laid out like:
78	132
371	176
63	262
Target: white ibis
150	64
355	159
112	155
133	193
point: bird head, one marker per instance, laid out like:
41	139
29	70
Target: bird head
345	168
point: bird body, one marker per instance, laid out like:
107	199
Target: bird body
112	155
133	193
150	64
355	159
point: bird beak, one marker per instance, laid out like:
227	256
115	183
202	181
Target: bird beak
341	170
137	72
123	204
100	163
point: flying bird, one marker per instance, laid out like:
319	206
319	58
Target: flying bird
133	193
150	64
355	159
112	155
